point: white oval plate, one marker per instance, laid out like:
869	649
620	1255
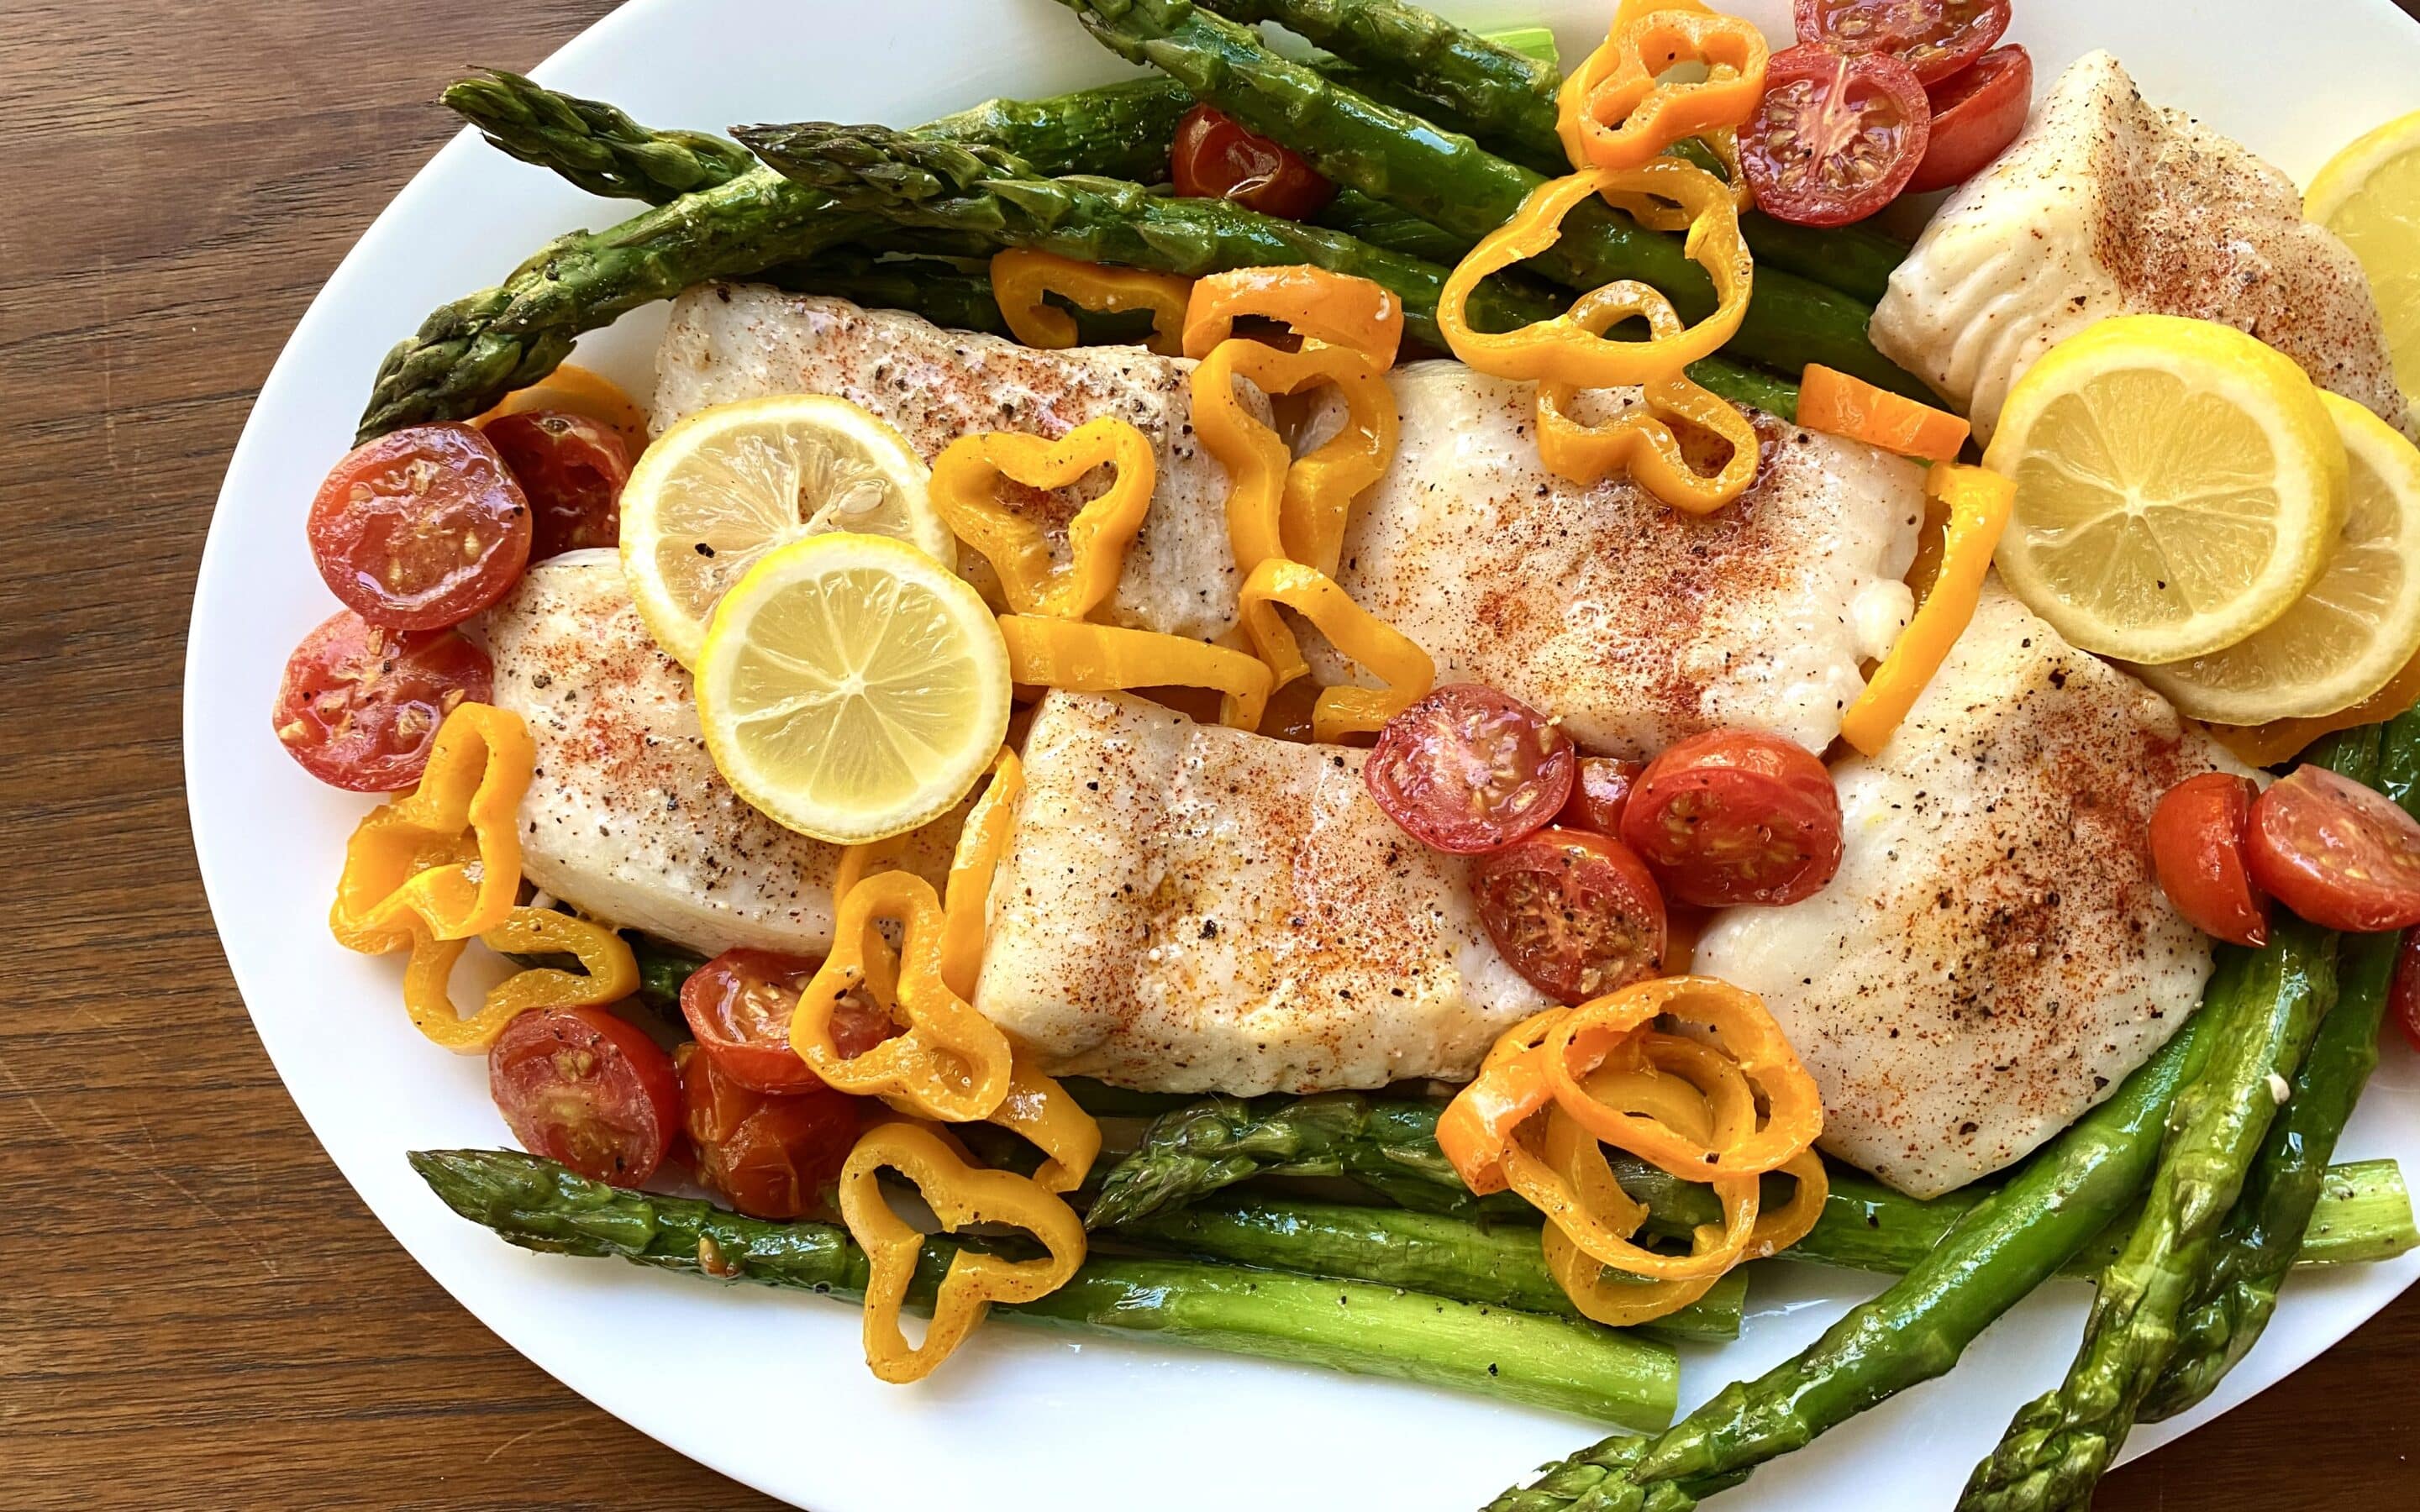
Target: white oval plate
1046	1420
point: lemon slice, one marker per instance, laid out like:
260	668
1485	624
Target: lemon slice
2369	195
852	687
728	484
2354	628
2178	485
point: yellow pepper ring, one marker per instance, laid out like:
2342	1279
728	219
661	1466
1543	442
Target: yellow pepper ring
1040	1110
1386	651
1314	303
1639	441
1277	505
967	894
1616	111
1980	502
1600	1235
1254	455
608	974
1561	348
951	1063
1570	1149
960	1196
1321	483
965	492
1102	659
444	860
1020	277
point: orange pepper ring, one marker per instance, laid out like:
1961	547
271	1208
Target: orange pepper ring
964	492
1313	303
1020	276
1559	349
1272	495
1614	112
1478	1126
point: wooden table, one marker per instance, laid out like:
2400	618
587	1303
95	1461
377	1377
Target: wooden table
198	1313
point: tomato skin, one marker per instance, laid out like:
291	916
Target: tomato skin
2342	856
2403	993
2197	851
1600	791
1735	816
582	1088
359	704
770	1155
1975	115
739	1003
571	469
1834	138
1468	769
1936	38
421	528
1577	913
1214	157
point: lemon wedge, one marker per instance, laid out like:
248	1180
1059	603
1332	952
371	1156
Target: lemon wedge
2369	195
2354	628
728	484
2178	485
852	687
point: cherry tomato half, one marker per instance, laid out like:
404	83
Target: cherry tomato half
1575	914
2198	853
770	1155
1976	114
421	528
1599	793
1733	816
1468	769
1834	138
571	469
1214	158
2340	855
1933	37
2403	993
739	1003
584	1087
359	704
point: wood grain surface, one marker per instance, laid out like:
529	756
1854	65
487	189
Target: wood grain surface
198	1313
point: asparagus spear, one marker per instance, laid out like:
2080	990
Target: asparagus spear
1446	178
1498	1263
1511	1356
590	143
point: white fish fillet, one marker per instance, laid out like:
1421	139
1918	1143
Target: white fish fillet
1190	908
625	815
1994	955
729	342
2109	205
1636	624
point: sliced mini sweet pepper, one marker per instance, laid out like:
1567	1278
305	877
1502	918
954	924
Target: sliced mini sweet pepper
608	974
1616	109
1313	303
1477	1127
1978	501
1838	403
965	491
1639	441
951	1064
1280	506
1371	643
443	860
967	894
961	1196
1041	1110
1665	194
1105	658
1020	277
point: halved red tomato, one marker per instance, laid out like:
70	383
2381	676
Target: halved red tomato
420	529
1933	37
1214	157
739	1003
2342	856
770	1155
359	704
1599	793
1975	115
1736	816
2198	853
1836	138
1574	913
1468	769
584	1087
571	468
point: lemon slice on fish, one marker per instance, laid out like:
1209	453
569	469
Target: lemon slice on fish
2180	484
2369	195
2354	628
728	484
852	687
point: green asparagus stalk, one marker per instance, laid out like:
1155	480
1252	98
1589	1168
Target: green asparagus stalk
1446	178
1495	1263
1491	1351
662	968
590	143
